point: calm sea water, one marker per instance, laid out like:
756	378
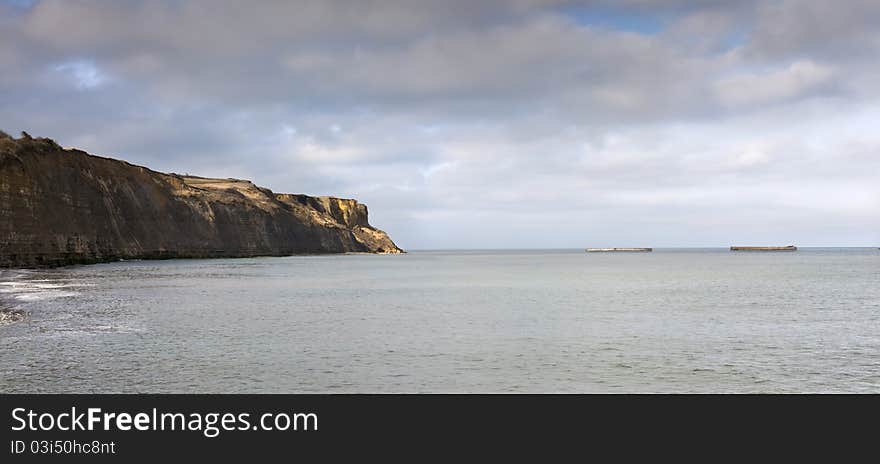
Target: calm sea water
474	321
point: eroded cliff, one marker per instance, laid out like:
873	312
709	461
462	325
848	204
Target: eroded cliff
60	206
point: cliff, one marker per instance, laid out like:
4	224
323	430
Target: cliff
60	206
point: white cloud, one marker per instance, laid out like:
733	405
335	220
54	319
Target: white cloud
481	124
796	80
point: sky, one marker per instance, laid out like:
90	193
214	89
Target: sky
482	124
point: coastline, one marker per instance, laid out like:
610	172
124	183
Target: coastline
111	210
169	257
9	313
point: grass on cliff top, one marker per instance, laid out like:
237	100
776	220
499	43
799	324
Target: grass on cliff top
25	141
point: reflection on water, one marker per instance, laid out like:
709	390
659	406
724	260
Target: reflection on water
493	321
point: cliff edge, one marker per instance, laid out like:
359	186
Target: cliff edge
62	206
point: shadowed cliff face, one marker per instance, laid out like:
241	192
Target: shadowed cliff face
62	207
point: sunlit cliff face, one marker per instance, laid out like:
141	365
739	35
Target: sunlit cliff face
483	124
61	207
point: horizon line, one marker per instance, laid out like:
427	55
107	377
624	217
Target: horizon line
656	248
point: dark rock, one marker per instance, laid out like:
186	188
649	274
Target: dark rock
60	207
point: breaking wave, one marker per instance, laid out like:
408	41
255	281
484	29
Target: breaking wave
14	292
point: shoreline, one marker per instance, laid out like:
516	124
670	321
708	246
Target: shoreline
8	314
89	262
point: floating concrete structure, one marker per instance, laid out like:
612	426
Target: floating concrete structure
764	248
609	250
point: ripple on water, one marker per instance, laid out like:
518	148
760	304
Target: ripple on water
686	321
14	292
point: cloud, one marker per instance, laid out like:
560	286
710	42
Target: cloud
84	74
481	124
798	28
798	80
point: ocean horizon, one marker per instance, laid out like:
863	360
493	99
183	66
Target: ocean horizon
680	320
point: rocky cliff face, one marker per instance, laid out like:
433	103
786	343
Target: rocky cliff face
61	207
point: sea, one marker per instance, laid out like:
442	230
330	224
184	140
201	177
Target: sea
495	321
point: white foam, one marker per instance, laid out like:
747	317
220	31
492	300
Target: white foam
39	296
39	290
10	317
76	332
40	284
